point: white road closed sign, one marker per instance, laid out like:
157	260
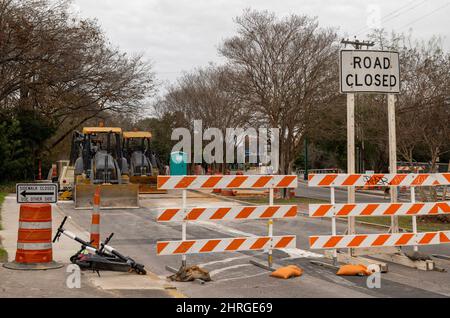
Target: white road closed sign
368	71
37	193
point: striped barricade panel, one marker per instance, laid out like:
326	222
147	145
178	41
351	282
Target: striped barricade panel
378	209
378	240
228	213
226	182
224	245
361	180
444	237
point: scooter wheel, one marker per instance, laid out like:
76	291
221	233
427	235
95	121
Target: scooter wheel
140	271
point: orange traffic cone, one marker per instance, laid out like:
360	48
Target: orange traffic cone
34	242
95	222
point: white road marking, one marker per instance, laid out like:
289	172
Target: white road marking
243	277
226	260
224	229
294	253
298	253
218	271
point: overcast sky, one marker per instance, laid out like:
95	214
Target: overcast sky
180	35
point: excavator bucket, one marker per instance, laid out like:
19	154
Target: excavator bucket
112	196
147	185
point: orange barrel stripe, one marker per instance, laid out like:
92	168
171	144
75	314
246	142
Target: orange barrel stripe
34	243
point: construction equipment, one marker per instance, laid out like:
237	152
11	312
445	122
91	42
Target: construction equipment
105	258
67	175
145	165
100	161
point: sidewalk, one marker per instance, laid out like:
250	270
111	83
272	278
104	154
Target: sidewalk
52	283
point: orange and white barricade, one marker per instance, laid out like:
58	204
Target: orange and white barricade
378	209
95	220
412	209
34	242
225	245
378	240
228	213
226	182
234	213
385	180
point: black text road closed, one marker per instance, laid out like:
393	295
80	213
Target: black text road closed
369	71
37	193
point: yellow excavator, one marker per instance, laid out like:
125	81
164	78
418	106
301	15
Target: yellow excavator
100	161
144	164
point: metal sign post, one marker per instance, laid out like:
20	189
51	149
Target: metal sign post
37	193
351	155
270	231
392	156
184	226
369	71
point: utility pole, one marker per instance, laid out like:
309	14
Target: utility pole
306	159
357	45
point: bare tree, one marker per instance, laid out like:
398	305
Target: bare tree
64	68
206	94
287	70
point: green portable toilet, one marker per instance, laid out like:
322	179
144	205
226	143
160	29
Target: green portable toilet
178	163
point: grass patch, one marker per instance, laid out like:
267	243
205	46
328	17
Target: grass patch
405	222
3	255
256	200
8	187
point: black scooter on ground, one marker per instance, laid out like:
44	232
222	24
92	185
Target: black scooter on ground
105	258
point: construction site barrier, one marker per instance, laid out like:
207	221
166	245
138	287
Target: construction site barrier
184	214
225	245
378	240
379	209
226	182
228	213
387	180
34	241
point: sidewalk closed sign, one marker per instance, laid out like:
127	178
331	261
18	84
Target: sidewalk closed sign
37	193
369	71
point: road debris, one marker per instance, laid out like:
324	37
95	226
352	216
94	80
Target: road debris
190	274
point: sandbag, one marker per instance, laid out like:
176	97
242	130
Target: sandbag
354	270
287	272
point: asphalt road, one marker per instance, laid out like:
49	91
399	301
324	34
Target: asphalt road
136	234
